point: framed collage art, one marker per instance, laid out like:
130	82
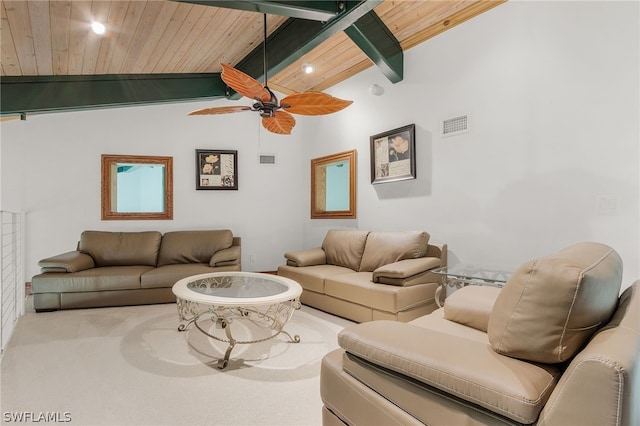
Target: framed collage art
216	169
393	155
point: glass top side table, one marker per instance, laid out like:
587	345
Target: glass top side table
464	274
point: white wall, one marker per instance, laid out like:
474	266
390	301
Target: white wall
552	89
62	177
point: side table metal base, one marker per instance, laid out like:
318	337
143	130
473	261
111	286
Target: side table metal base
459	276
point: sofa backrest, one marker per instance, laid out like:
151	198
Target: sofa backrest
192	246
385	247
121	248
367	251
344	247
551	306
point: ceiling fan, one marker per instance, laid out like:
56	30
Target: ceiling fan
276	116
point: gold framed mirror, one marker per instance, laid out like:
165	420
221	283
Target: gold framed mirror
333	186
137	187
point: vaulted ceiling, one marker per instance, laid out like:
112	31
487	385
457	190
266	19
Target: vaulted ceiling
171	50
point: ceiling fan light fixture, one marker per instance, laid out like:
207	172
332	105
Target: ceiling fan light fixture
307	68
98	28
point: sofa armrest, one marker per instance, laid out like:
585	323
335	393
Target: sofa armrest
226	257
309	257
72	261
471	306
399	273
611	360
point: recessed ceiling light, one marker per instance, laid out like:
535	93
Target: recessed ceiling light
98	28
307	68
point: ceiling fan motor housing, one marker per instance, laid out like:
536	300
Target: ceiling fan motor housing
265	110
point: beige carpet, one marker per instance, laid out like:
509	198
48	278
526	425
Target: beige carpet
130	366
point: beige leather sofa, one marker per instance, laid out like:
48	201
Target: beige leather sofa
130	268
365	276
555	346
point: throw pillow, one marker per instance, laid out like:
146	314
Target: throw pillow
383	248
551	306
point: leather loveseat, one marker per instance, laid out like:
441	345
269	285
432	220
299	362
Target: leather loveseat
368	275
556	346
130	268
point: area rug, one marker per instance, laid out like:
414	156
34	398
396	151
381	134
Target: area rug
131	366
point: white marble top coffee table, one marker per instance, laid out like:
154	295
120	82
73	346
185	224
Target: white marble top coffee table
222	297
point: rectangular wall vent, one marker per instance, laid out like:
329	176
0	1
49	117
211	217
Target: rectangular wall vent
266	159
455	126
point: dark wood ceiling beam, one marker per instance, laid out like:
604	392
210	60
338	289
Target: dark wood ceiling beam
373	37
314	10
296	37
55	93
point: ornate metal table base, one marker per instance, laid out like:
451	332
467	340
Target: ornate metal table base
273	317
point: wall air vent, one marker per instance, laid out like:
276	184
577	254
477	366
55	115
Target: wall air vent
266	159
455	126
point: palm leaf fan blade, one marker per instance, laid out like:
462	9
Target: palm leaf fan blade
281	123
220	110
313	103
244	84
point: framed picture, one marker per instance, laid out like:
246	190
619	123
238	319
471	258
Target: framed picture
216	169
393	155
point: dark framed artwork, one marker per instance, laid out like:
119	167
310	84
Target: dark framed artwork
393	155
216	169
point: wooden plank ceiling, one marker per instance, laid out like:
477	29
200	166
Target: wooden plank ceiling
53	38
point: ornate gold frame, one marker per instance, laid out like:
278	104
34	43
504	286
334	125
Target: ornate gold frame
109	183
318	186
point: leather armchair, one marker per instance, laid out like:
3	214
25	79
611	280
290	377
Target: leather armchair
556	346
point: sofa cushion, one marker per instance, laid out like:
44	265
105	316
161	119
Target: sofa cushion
471	306
383	248
357	287
513	388
437	322
344	247
121	248
192	246
168	275
94	279
551	306
311	277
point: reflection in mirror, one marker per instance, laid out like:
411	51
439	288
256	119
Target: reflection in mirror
137	187
337	186
333	186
